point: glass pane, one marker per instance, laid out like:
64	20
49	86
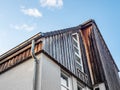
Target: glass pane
78	59
75	43
76	50
63	88
75	36
79	66
79	88
97	89
64	80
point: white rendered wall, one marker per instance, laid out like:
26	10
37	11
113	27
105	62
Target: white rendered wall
100	86
19	77
50	74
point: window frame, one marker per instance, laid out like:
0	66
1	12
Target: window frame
68	79
97	87
80	85
79	50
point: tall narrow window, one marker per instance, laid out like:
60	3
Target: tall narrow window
65	83
79	86
97	89
77	51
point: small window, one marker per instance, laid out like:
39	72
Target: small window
97	89
65	83
79	87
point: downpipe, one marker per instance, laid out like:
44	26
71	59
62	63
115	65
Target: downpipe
36	68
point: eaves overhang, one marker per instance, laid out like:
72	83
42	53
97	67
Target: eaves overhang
19	47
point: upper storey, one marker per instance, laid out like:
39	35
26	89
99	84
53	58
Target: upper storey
76	49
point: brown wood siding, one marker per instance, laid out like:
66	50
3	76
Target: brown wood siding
17	58
84	59
93	58
85	32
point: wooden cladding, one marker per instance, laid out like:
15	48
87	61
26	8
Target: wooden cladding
95	60
22	56
107	63
101	65
93	56
98	63
60	47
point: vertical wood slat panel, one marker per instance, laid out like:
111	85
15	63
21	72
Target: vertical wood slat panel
56	48
51	44
112	78
1	68
69	52
65	50
72	54
46	45
60	47
63	55
100	69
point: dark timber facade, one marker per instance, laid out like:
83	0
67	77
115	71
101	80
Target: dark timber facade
79	51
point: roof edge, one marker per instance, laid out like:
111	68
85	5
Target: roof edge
39	35
87	23
94	23
20	46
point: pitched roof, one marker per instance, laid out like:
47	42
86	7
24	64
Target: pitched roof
46	34
21	47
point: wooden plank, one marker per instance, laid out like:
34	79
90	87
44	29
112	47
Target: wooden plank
61	49
72	55
53	45
69	52
64	48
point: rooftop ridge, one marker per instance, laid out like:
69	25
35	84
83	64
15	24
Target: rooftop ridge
46	34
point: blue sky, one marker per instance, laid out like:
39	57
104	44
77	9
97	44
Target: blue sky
21	19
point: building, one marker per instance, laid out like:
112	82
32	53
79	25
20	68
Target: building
75	58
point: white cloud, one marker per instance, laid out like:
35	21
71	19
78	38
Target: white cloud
31	12
51	3
23	27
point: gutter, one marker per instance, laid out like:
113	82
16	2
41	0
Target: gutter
36	79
